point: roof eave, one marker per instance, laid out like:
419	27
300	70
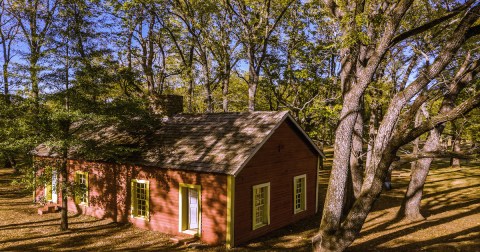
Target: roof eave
320	152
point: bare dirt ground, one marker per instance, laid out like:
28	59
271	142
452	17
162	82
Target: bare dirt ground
451	203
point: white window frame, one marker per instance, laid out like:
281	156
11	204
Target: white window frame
82	199
134	203
303	199
266	222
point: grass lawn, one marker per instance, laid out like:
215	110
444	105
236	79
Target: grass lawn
451	203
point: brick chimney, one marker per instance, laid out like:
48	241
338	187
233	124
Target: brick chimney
167	105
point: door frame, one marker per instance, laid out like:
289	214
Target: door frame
54	187
51	192
183	208
192	194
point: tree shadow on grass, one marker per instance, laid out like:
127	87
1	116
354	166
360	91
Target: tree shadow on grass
440	243
294	237
373	244
44	224
79	239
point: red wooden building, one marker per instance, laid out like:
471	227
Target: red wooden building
226	177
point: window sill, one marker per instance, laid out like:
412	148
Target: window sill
140	217
259	226
299	211
192	232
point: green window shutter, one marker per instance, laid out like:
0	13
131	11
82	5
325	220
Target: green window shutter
133	206
86	187
77	196
48	191
304	193
147	215
295	195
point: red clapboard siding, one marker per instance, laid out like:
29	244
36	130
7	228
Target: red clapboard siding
109	196
284	156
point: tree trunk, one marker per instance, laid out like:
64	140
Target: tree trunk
12	163
6	83
335	197
336	236
252	88
208	87
416	142
191	81
411	202
351	226
209	100
455	162
64	187
151	54
372	132
356	161
410	207
225	85
34	79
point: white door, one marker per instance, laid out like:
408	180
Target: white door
54	187
192	208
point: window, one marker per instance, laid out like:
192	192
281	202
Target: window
261	205
81	179
299	193
140	198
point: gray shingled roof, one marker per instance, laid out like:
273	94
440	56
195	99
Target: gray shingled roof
218	143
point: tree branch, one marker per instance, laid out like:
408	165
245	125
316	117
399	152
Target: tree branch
429	25
333	8
426	126
473	31
436	154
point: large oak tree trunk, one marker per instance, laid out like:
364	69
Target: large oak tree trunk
392	134
411	203
351	226
356	160
372	132
416	142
